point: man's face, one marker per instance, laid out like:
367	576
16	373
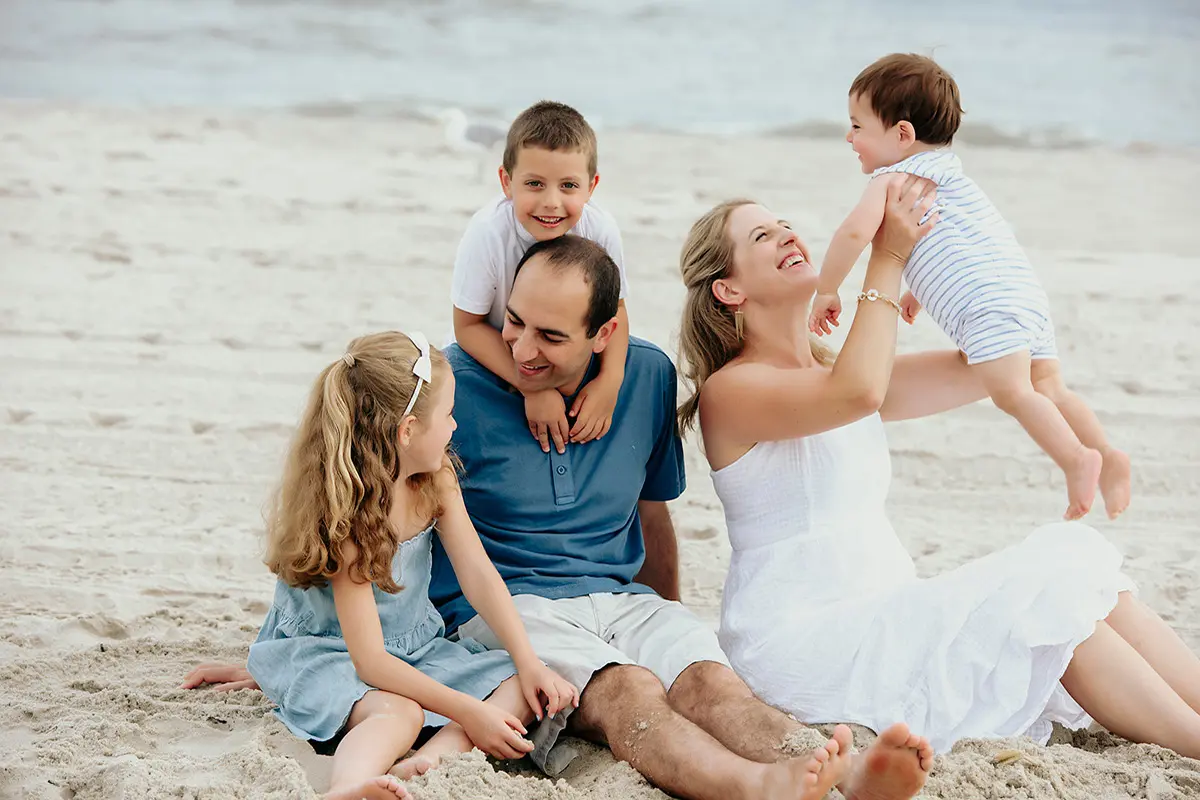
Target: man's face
545	326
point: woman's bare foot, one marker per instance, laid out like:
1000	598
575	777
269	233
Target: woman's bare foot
1114	482
412	767
811	777
385	787
1083	474
894	767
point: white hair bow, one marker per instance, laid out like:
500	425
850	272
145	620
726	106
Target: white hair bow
422	368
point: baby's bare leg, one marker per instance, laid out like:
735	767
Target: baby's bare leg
1009	383
1115	474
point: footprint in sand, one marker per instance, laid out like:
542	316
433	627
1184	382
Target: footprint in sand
19	415
108	420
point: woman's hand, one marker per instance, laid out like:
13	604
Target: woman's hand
494	731
908	200
545	690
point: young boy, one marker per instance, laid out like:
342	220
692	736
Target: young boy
969	272
547	178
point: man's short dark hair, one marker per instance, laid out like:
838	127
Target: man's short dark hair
600	273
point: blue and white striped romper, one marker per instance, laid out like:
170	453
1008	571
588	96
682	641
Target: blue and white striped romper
970	274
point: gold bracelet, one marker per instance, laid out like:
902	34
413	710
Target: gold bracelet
874	294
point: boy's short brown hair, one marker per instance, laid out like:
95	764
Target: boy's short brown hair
551	126
907	86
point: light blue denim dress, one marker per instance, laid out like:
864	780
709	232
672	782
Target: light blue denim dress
301	662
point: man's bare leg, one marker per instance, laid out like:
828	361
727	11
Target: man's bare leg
714	698
626	708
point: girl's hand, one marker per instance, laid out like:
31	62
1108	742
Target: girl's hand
224	677
494	731
546	690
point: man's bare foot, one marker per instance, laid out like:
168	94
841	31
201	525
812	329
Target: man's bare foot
412	767
894	767
385	787
1082	476
811	777
1114	482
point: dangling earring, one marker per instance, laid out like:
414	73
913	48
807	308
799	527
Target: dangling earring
739	323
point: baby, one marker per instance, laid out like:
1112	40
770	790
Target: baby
969	273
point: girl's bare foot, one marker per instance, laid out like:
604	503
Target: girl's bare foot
1114	482
811	777
1082	476
894	767
412	767
385	787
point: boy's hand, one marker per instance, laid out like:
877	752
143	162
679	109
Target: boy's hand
546	691
825	312
546	412
910	307
593	408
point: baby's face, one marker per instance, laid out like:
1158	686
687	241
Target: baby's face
549	189
876	145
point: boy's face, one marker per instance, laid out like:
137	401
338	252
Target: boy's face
876	145
549	189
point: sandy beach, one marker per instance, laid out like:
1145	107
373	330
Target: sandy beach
171	281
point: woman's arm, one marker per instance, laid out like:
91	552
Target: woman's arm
755	402
481	583
930	383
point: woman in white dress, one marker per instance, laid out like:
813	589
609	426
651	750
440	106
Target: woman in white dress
823	615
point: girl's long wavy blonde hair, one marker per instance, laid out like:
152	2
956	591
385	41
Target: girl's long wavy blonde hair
341	470
708	338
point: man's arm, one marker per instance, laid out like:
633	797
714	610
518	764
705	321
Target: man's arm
660	570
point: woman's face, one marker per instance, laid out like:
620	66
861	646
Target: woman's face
770	262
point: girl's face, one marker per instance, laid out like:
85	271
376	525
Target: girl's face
429	438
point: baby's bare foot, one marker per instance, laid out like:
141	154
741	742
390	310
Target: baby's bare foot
894	767
1114	482
1082	476
811	777
412	767
385	787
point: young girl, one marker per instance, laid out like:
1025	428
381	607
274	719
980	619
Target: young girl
352	651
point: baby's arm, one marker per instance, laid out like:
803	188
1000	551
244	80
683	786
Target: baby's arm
848	242
485	591
853	235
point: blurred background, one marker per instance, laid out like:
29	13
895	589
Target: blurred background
1031	72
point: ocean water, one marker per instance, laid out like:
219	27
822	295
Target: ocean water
1051	72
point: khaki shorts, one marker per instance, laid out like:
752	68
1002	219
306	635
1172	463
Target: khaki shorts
578	636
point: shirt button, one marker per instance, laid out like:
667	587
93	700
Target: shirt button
561	470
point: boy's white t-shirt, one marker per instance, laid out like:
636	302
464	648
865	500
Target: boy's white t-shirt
486	263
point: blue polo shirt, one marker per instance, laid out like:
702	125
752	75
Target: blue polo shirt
561	526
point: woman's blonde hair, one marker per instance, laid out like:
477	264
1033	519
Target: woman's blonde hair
708	337
339	478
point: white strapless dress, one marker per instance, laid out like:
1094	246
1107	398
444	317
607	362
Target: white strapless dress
824	617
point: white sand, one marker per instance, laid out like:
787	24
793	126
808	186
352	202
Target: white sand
170	282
